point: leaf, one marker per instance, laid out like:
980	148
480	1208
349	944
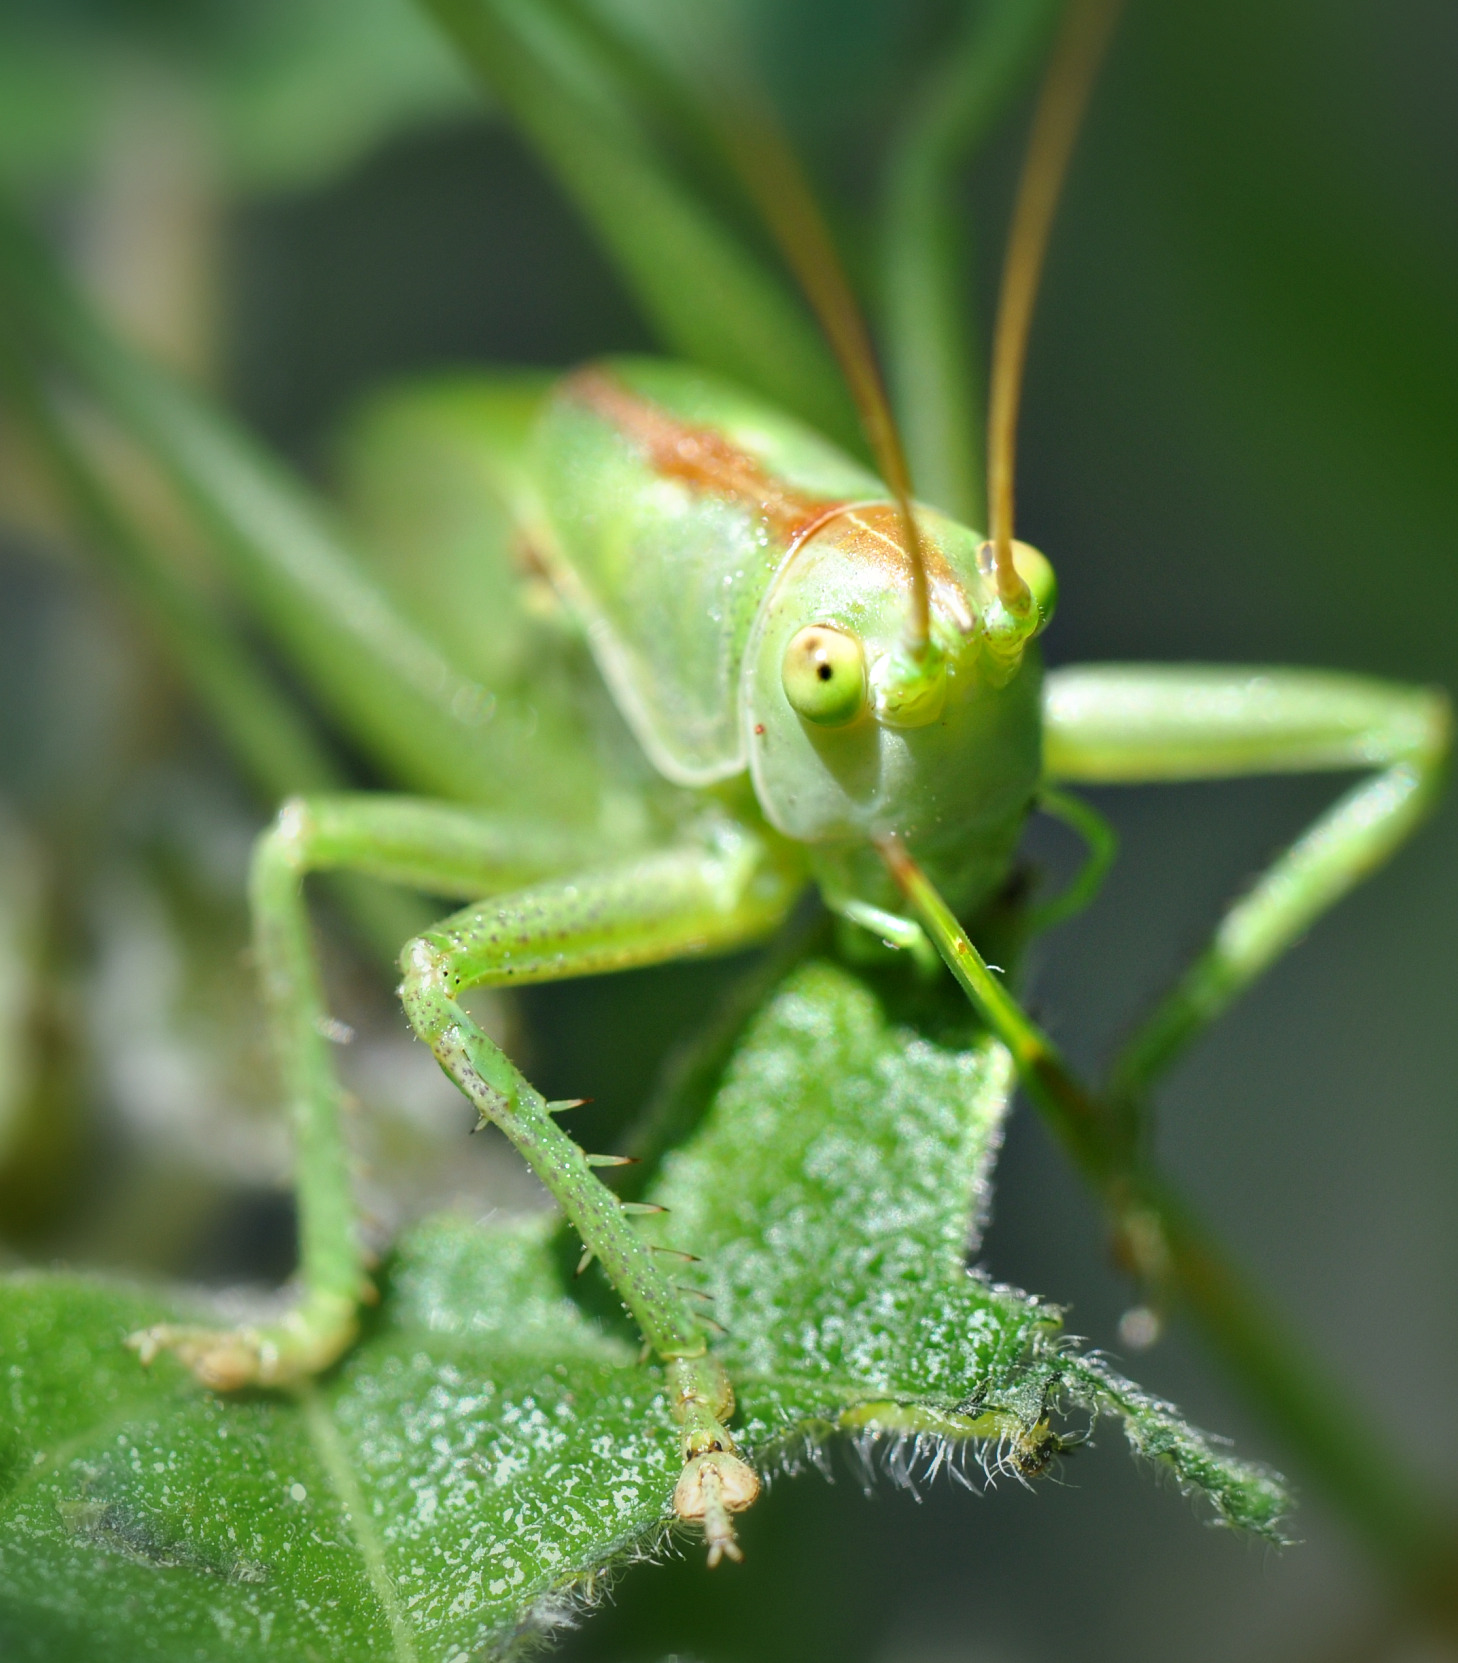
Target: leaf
488	1449
389	683
280	94
833	1194
483	1448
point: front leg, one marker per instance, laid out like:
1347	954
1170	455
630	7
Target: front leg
726	890
720	895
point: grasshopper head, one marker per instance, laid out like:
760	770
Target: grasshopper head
852	733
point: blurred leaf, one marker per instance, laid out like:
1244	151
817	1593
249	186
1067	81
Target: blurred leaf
487	1450
324	82
278	543
706	294
289	92
389	684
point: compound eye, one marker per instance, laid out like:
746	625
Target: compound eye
824	675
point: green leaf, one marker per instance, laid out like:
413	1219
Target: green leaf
275	95
833	1194
484	1448
389	683
272	536
489	1449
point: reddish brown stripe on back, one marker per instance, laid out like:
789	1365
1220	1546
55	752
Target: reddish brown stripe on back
699	456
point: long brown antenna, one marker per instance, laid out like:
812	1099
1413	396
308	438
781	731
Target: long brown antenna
1077	53
772	174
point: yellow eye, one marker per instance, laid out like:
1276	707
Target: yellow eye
824	675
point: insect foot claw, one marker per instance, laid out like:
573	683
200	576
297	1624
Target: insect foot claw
710	1489
224	1360
308	1339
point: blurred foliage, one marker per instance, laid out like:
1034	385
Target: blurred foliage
281	94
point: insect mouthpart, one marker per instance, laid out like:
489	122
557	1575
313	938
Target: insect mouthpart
909	687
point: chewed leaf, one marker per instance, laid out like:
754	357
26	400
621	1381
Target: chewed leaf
832	1193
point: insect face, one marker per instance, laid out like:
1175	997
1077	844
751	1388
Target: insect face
852	735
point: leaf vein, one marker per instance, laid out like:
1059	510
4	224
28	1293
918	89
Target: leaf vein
334	1458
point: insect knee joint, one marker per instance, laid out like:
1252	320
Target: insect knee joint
427	972
292	833
701	1389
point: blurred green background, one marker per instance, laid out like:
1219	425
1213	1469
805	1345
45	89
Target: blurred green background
1240	443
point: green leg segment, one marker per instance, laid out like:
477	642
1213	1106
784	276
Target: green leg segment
1102	844
723	891
1126	724
719	894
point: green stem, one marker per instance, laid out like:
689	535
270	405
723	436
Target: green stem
930	351
1411	1533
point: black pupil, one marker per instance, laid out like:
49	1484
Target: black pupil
824	671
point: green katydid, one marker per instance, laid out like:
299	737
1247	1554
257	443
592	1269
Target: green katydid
845	690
